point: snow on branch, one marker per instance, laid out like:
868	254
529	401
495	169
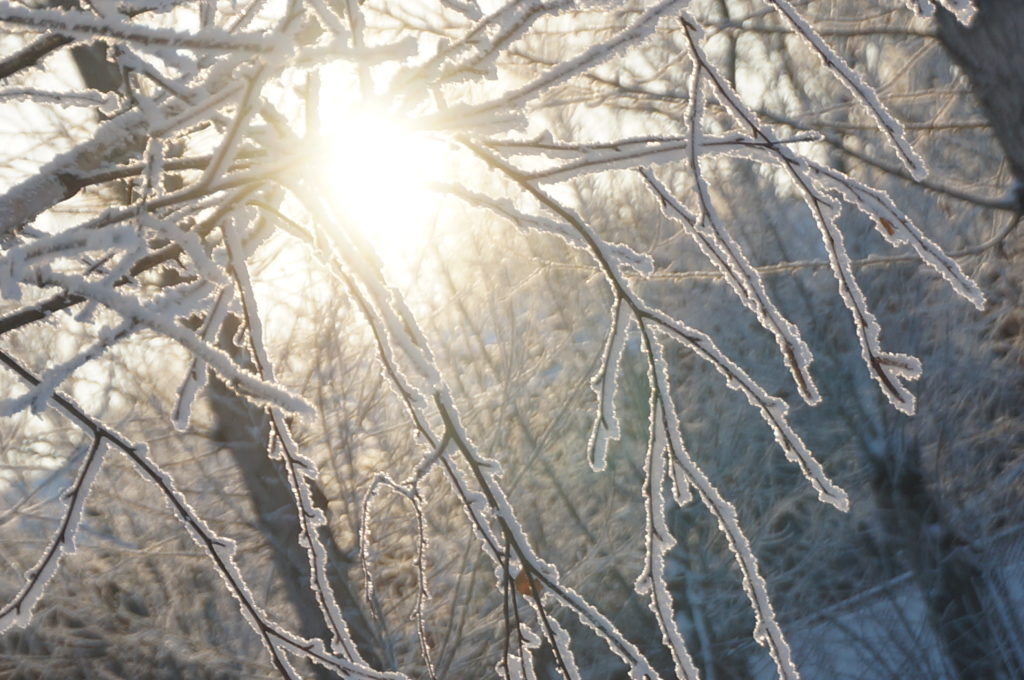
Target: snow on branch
964	10
592	56
621	253
660	541
18	612
889	370
94	98
82	24
773	410
484	500
298	468
221	550
605	383
889	126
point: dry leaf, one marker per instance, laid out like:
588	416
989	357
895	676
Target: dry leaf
524	582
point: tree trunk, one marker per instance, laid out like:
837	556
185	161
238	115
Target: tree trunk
244	430
990	52
950	577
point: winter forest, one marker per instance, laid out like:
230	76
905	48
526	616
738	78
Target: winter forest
535	339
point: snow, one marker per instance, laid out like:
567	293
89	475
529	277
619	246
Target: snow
605	384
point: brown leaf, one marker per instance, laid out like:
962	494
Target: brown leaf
527	585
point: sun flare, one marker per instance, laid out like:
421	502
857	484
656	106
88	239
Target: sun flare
378	169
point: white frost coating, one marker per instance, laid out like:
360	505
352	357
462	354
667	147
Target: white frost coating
893	224
682	492
621	253
380	481
284	641
12	271
594	55
17	262
405	354
39	396
183	63
772	409
605	384
180	300
78	240
365	537
557	637
510	667
154	175
887	369
62	99
299	468
766	628
25	201
229	147
18	612
222	551
512	26
87	25
121	270
728	257
22	203
490	504
527	642
560	640
624	155
963	10
889	126
422	590
166	324
394	317
411	395
718	245
897	228
331	21
923	8
475	505
545	573
452	59
466	9
658	541
190	244
195	379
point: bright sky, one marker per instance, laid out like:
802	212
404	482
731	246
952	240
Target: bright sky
379	168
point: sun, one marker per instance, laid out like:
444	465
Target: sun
378	169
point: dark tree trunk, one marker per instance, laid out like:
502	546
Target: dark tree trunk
947	571
244	430
990	52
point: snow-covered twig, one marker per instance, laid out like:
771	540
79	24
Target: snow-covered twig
890	370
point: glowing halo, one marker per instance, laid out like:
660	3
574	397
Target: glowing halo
378	168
